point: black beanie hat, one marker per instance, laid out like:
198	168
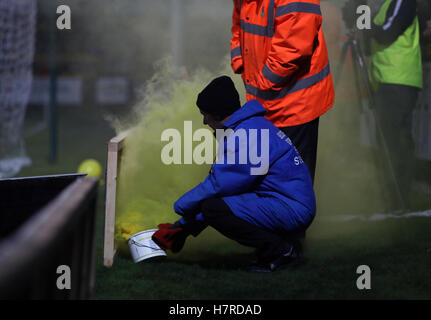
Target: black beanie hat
219	98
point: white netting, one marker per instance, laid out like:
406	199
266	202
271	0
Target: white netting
17	37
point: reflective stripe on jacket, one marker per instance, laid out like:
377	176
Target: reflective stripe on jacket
281	47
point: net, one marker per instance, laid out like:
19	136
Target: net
17	34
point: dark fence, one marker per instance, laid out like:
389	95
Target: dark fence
47	222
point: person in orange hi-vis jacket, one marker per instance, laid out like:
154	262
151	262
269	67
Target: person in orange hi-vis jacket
279	49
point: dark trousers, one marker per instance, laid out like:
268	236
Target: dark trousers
218	215
394	109
304	138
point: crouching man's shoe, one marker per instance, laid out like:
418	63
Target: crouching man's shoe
290	258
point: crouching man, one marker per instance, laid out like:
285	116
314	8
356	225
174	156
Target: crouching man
264	204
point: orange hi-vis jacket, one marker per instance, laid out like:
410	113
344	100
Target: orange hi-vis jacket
280	47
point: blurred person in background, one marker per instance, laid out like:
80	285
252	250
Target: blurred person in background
396	76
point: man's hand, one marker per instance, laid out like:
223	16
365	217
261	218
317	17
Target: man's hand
170	237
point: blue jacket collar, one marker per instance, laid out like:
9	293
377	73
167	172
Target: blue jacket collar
251	109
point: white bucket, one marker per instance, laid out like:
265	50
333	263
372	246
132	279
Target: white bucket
143	247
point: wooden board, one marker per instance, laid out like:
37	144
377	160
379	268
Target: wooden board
60	233
115	146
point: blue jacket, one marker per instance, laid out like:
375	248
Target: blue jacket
280	198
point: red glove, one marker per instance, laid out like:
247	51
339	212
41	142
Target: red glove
170	238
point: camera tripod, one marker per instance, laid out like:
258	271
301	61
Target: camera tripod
361	75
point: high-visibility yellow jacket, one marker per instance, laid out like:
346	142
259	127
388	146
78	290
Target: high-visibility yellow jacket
396	51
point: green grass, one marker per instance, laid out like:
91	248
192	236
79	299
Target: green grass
398	251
